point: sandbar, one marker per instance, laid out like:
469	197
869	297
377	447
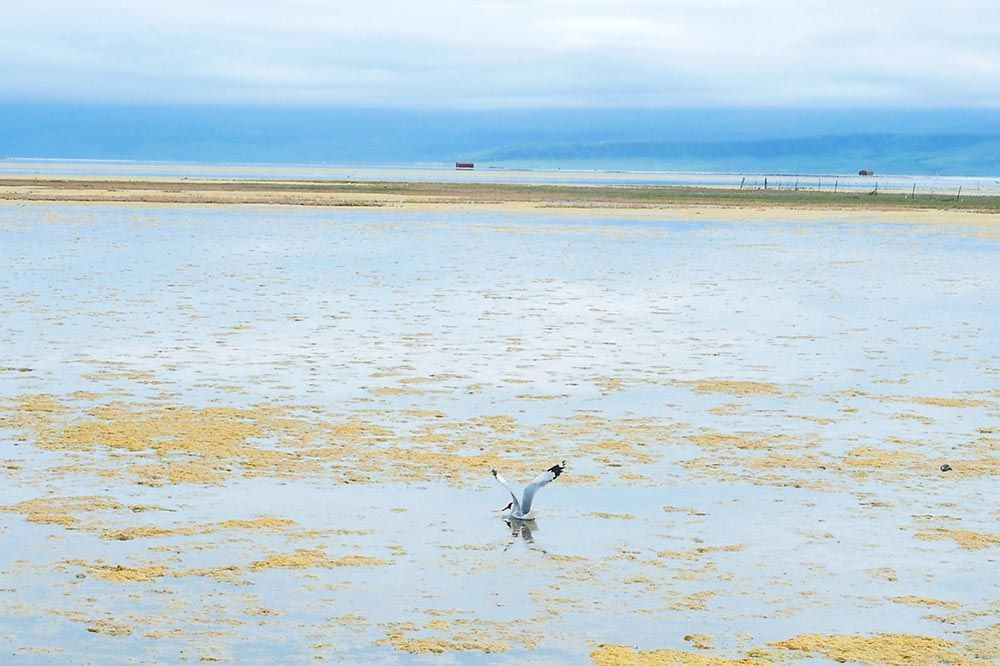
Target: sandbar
665	203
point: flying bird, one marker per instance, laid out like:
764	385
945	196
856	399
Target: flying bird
521	509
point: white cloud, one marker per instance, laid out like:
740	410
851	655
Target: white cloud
460	54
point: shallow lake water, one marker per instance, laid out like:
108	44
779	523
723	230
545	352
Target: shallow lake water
844	182
248	433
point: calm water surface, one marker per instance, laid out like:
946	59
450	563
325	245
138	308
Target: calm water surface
747	512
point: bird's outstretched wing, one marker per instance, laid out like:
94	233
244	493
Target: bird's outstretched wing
543	479
503	482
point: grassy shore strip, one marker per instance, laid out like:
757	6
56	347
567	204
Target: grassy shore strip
352	193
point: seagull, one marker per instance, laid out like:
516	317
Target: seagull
521	510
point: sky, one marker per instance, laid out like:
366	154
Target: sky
463	54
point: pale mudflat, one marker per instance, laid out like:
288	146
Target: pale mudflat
246	432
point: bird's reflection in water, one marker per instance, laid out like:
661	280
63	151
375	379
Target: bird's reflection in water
523	529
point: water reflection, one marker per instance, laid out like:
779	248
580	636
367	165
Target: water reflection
525	530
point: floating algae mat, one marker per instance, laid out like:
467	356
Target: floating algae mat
253	433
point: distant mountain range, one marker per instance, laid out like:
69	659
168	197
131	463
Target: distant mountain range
947	154
944	142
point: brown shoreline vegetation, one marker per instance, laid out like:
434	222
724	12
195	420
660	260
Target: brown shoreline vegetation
336	193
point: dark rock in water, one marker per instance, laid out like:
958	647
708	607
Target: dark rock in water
945	468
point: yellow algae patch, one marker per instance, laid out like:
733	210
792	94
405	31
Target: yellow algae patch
443	377
222	431
777	461
38	649
164	444
462	635
109	628
726	408
964	538
608	384
714	441
310	559
733	387
123	574
261	523
86	395
61	510
566	559
885	649
601	449
770	457
422	414
623	655
501	423
924	601
683	509
867	459
394	390
120	574
963	468
301	559
700	641
186	444
350	432
357	561
37	413
121	372
151	531
696	553
139	532
441	645
947	402
180	472
985	642
400	642
541	397
413	464
394	370
610	516
909	416
438	625
225	574
696	602
40	403
931	401
818	420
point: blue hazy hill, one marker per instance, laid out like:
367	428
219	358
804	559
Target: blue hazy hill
947	142
946	154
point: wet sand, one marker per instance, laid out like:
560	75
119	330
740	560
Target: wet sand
249	432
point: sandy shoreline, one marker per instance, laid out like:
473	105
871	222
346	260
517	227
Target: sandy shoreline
646	203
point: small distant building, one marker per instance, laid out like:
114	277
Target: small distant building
866	172
464	165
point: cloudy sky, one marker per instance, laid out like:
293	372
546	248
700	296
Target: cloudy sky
505	53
